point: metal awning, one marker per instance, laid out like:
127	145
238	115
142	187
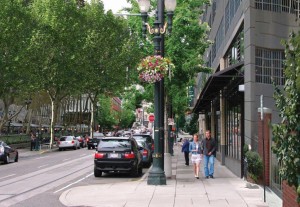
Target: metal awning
215	83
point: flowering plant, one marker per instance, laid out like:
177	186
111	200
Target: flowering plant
153	68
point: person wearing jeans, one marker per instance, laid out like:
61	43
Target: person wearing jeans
209	152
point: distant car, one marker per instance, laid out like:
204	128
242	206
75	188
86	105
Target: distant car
118	154
147	138
145	150
82	141
93	143
8	154
67	142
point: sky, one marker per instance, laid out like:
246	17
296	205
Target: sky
114	5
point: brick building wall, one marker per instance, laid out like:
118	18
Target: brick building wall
266	148
289	196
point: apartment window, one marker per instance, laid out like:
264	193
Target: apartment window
220	35
286	6
214	7
235	53
269	65
230	11
213	53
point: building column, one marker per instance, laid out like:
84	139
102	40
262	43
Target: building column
223	131
213	120
264	140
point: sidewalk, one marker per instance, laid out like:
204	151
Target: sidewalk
183	190
25	152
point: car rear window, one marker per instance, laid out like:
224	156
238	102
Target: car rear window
66	138
115	143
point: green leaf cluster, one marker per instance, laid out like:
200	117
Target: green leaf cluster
286	134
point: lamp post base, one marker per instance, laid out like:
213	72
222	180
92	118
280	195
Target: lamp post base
156	177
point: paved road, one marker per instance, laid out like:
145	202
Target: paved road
39	179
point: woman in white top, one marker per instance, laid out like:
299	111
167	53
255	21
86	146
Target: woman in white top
196	151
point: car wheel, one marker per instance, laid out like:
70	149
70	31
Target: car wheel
6	161
135	171
89	147
17	157
97	173
140	170
59	149
75	148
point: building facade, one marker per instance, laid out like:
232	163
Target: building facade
246	57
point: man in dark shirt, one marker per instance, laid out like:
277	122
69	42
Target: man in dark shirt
209	152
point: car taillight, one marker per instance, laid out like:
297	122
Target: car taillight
130	155
145	152
152	147
99	155
58	142
73	142
87	139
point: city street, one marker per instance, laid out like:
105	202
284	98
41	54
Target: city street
38	179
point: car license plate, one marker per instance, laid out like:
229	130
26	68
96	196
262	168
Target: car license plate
113	155
95	144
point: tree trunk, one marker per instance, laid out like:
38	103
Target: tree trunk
92	120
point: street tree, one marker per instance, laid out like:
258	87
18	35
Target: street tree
110	52
55	50
106	117
286	134
16	25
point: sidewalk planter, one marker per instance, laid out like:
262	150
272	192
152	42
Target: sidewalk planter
153	68
254	167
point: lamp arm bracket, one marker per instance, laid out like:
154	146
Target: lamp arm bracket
163	30
150	30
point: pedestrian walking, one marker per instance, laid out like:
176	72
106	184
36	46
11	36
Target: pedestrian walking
32	142
196	150
209	153
185	149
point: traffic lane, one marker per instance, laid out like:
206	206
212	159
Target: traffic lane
33	163
106	178
20	188
50	198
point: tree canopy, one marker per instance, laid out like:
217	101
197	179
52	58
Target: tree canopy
286	134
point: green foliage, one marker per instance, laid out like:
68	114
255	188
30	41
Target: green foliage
106	117
185	47
127	118
192	127
255	165
16	27
286	134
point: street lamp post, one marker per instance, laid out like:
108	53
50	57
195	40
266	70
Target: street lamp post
157	174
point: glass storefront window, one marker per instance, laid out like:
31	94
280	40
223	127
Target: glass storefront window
233	131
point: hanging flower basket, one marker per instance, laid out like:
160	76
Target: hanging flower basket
153	68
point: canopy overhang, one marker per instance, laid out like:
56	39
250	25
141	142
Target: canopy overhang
215	84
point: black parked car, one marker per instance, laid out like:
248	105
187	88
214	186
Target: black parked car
8	154
118	154
147	138
93	143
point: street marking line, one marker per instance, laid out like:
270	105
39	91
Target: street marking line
41	157
43	166
74	183
7	176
